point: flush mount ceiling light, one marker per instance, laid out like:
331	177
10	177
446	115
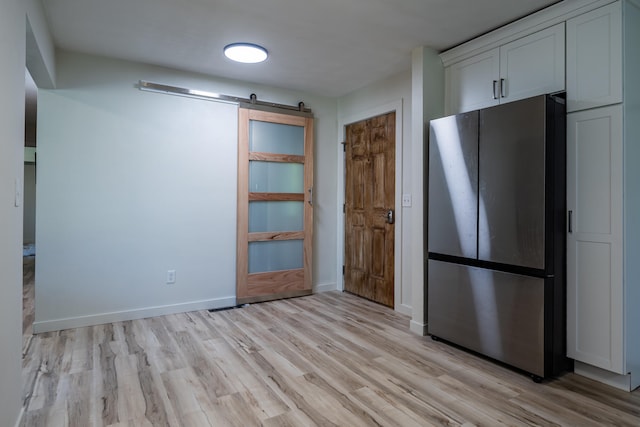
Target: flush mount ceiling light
247	53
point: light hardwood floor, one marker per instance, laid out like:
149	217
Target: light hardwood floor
330	359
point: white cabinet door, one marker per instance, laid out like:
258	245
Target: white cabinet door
472	83
530	66
594	240
594	58
533	65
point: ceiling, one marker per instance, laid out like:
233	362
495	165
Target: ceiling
325	47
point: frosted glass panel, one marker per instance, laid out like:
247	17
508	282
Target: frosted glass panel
275	216
275	256
276	138
271	177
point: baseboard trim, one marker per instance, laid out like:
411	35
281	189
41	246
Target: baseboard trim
418	328
20	416
326	287
404	309
120	316
621	382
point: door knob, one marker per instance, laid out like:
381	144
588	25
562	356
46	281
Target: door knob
390	218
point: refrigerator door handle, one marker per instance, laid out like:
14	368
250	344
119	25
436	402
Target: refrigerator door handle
570	221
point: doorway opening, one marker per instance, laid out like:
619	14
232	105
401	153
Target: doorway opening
29	206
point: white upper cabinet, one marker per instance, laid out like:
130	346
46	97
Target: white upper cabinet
473	83
529	66
594	58
533	65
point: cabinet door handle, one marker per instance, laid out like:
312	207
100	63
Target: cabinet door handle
503	92
495	95
570	221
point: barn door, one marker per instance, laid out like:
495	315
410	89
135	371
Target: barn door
275	205
369	208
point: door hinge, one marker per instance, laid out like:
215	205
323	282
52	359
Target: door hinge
343	270
344	208
344	146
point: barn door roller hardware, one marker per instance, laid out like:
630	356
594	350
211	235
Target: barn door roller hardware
251	102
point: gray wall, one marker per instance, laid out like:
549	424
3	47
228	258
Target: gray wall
132	184
12	50
419	94
372	100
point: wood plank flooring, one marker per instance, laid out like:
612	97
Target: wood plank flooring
330	359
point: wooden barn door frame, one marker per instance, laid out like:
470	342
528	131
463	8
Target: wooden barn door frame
340	247
271	284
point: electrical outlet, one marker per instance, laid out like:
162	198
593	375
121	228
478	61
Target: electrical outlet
171	276
406	200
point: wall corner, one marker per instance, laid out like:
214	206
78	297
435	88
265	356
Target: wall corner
41	59
427	88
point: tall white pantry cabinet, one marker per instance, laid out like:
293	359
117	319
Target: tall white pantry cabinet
603	193
600	45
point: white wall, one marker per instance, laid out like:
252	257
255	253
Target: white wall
40	59
375	99
132	184
419	94
12	52
427	86
632	191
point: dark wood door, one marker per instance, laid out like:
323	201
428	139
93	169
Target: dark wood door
369	208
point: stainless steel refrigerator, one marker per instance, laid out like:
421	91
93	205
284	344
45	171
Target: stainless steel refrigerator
496	233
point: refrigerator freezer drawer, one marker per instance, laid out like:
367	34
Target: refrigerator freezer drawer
500	315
